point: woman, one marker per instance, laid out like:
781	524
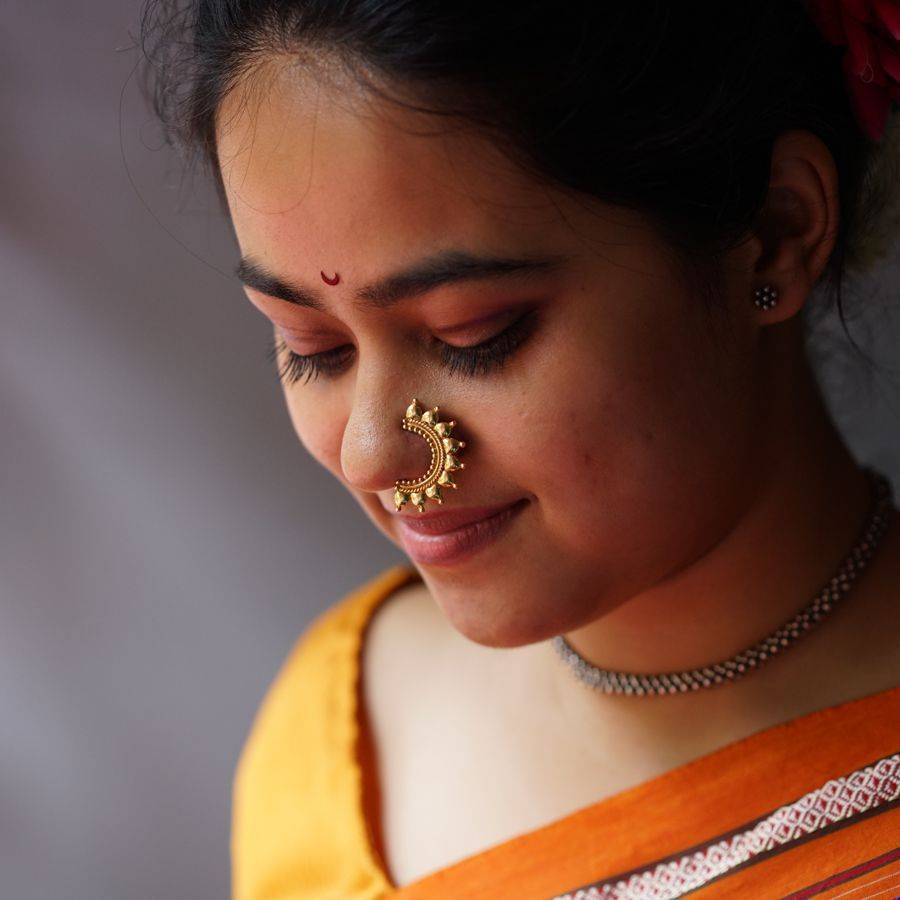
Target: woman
647	643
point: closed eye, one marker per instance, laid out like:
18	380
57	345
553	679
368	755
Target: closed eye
475	360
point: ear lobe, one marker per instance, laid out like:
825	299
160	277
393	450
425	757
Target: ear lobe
789	273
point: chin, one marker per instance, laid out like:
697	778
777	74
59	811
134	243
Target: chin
501	623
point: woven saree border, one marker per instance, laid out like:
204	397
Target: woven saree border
838	802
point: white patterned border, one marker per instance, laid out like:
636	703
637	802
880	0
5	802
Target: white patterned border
836	800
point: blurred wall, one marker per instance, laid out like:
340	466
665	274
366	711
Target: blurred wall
164	536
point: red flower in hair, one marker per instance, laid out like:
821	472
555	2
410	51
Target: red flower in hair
871	31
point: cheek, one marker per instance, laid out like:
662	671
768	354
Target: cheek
635	433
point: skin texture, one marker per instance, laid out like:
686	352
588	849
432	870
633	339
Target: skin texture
688	492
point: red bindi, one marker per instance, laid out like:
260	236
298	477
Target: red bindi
328	280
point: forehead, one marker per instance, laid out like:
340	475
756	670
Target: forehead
322	169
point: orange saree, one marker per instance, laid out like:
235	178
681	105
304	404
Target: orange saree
808	808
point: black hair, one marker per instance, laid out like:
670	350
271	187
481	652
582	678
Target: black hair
667	108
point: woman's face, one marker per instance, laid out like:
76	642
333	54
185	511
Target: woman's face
622	419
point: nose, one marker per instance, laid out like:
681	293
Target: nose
376	451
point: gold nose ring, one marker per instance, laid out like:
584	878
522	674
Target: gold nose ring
443	458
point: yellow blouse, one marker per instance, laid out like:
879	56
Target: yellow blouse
298	830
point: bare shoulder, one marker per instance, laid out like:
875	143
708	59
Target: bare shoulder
441	740
404	626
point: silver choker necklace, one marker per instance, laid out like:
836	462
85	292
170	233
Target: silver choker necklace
879	517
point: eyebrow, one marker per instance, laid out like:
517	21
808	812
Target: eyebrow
444	267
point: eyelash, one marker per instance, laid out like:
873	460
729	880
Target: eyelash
479	359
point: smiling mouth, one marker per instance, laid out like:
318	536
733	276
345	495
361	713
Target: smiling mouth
446	538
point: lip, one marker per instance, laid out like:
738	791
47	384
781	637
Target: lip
448	537
440	521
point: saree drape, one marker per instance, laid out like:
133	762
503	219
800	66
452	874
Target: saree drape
807	808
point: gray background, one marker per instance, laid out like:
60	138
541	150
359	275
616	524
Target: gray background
165	537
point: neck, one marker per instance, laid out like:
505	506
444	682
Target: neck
805	511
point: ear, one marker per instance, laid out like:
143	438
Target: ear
795	233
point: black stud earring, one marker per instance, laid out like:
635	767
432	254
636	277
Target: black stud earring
765	297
